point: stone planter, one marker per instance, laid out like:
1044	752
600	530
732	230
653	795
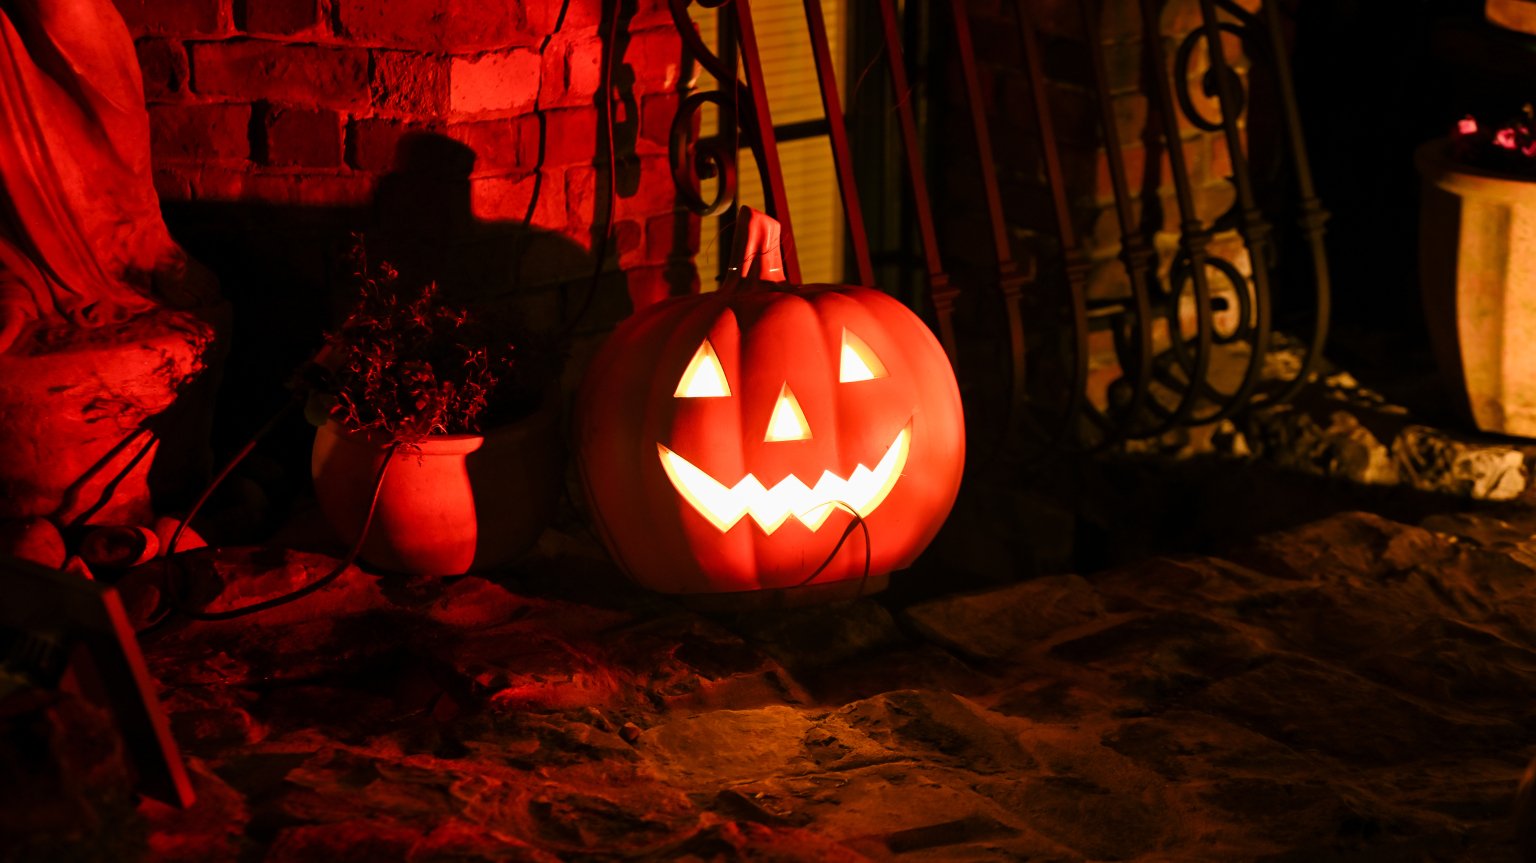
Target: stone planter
1517	15
454	504
111	424
1477	270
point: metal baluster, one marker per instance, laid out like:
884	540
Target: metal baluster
1136	254
1194	237
940	292
837	134
1313	217
766	147
1010	278
1252	226
1076	259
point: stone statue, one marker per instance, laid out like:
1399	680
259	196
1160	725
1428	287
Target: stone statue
110	337
82	242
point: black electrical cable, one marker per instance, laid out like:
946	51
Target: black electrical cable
317	584
856	522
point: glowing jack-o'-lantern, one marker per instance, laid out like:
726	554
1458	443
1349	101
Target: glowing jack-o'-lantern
727	439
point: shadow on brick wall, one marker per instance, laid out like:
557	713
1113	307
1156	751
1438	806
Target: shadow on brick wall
285	270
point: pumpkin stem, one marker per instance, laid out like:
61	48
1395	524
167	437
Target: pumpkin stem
756	251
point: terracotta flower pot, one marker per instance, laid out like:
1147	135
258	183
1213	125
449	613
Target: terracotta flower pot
454	504
1477	270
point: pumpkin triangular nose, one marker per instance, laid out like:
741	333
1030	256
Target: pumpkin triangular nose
788	421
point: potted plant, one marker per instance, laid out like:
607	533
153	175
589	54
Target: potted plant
469	432
1477	268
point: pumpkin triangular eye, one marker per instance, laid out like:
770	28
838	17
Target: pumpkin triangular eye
859	363
704	378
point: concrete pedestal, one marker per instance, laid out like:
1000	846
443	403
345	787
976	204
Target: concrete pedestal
101	427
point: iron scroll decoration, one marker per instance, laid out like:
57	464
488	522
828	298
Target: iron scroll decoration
1172	388
1158	389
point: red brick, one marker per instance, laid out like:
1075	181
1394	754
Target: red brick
163	64
283	17
406	82
1130	111
1214	200
334	77
626	240
506	199
651	13
655	193
1196	162
570	137
656	56
302	137
1074	113
171	184
176	17
571	72
653	196
442	25
1057	17
200	132
649	285
656	115
1120	20
582	186
1220	164
662	240
289	189
502	81
530	142
1125	66
495	143
372	145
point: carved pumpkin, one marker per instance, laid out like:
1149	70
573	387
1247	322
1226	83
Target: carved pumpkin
724	438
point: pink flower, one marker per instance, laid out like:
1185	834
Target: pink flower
1505	138
1466	125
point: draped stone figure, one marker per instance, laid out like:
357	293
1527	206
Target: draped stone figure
110	337
82	241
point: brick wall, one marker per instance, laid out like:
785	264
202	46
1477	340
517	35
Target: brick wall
1021	171
463	136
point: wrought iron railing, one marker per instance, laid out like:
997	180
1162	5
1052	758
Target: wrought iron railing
1163	383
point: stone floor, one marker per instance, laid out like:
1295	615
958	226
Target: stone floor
1352	688
1309	638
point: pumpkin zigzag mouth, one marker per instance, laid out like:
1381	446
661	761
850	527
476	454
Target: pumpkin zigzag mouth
722	506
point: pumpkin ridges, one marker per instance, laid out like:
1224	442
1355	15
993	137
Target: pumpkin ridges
777	335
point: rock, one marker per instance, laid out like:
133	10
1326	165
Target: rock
811	637
998	624
165	528
1093	819
1525	814
1338	704
473	602
119	547
75	565
225	579
1344	448
933	727
36	539
745	841
209	830
522	670
1433	461
65	780
76	419
728	746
